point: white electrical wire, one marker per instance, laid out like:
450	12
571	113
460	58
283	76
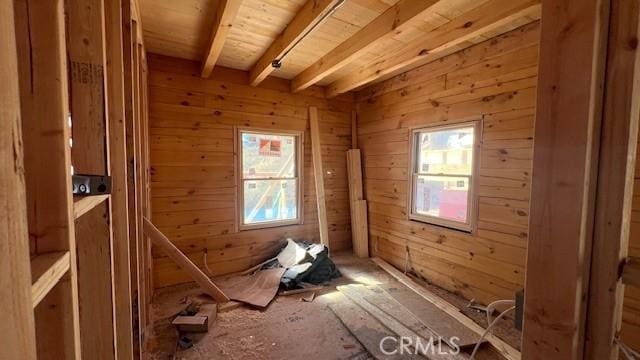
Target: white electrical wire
628	352
502	314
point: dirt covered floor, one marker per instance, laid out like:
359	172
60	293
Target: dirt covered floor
289	328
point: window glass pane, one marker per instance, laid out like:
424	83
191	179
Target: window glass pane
447	151
444	197
268	156
270	200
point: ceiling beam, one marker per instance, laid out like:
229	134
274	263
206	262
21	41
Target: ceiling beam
388	24
309	15
487	19
227	11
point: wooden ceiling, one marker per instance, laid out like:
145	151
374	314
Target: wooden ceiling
358	43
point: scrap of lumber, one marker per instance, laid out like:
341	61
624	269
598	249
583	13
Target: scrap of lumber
406	316
502	347
300	291
318	175
194	323
437	320
407	329
631	273
358	206
160	240
363	327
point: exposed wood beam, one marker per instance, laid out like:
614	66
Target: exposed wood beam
388	24
568	117
305	19
227	11
485	19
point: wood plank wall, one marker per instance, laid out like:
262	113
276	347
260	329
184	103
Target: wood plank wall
193	187
631	306
496	80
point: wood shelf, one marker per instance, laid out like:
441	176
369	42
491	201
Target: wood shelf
631	273
46	270
83	205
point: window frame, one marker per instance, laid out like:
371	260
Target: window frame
240	180
472	199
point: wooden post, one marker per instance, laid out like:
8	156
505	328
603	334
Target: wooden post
118	167
18	326
586	134
617	162
571	72
318	175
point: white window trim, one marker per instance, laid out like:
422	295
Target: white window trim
472	201
299	135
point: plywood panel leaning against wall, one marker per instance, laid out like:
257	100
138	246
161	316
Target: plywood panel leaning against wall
193	167
494	81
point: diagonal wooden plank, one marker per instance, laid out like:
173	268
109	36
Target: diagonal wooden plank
309	16
485	19
227	11
392	21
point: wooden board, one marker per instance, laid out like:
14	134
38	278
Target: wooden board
501	346
365	328
430	315
318	175
18	323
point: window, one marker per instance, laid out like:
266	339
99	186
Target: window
443	165
269	180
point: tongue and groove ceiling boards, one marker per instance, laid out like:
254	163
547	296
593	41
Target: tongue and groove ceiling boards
341	44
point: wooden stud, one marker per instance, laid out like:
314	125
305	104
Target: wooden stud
227	10
42	63
568	111
90	155
306	18
17	325
616	166
176	255
118	167
354	129
486	18
396	19
318	175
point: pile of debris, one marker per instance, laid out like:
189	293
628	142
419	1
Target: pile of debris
305	263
